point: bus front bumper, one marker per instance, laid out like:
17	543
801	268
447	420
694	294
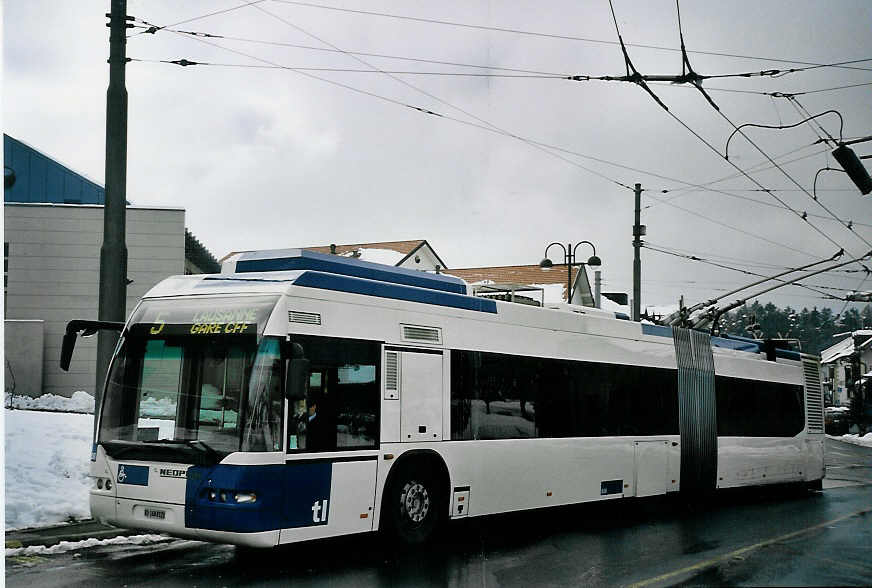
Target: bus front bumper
161	517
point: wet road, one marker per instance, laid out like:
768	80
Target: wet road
759	538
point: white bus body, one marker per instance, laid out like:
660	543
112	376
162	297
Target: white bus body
437	405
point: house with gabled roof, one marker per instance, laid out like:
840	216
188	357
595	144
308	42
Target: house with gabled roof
543	285
415	254
519	283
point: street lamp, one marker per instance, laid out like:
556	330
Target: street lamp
569	260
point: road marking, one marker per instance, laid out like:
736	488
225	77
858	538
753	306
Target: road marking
830	483
715	560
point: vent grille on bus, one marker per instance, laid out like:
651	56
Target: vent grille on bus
392	376
422	334
814	400
308	318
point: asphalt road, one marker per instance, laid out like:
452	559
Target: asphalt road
755	538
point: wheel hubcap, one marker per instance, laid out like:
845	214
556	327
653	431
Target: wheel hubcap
415	501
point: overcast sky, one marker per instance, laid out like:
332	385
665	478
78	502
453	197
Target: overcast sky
270	158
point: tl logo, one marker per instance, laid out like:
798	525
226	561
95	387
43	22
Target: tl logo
319	511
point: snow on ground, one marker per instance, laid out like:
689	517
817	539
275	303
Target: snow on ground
80	402
47	459
65	546
855	439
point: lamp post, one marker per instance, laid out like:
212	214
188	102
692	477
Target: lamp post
569	260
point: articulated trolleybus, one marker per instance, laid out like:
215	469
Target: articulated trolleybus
298	396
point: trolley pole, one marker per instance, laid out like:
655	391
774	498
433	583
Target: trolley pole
638	232
113	253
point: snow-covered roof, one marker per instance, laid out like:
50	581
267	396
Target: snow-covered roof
843	348
846	346
385	256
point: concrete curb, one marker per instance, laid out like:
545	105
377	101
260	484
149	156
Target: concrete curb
54	534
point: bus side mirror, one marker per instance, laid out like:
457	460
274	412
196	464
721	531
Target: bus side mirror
87	328
297	379
67	350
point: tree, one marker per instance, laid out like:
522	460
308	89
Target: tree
813	328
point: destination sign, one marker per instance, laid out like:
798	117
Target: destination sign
218	316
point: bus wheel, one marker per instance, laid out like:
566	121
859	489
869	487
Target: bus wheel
414	507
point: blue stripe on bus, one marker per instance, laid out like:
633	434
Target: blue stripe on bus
309	260
737	344
788	354
725	341
394	291
658	330
287	496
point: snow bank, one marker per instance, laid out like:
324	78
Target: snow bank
865	440
47	460
80	402
65	546
154	407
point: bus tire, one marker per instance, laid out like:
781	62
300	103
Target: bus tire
414	506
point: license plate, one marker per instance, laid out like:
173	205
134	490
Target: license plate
152	513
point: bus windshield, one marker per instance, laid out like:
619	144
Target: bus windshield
196	373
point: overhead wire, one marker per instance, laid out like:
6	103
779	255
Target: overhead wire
531	142
777	73
691	187
740	230
808	119
463	111
186	62
413	107
440	115
797	184
552	35
763	73
364	54
641	83
741	262
490	129
202	16
815	126
857	289
762	93
743	271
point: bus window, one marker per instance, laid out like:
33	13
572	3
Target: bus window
340	411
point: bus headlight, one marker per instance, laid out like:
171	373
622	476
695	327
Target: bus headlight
245	496
99	483
108	484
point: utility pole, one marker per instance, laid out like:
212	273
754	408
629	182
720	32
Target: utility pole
597	288
113	253
638	233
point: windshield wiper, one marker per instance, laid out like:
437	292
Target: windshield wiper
167	441
192	443
184	450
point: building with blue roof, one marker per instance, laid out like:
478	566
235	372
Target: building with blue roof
53	221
